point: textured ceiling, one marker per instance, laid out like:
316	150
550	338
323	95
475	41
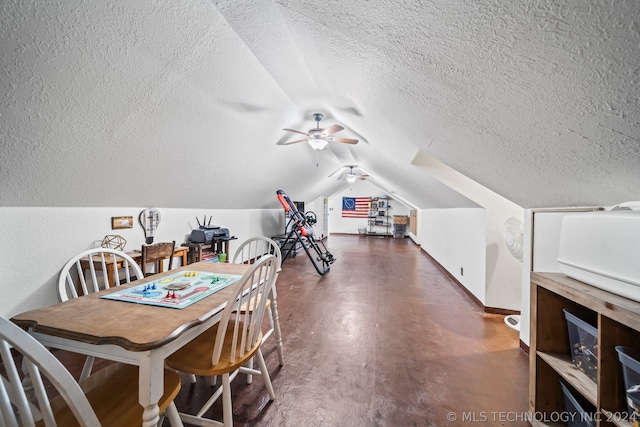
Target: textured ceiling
182	104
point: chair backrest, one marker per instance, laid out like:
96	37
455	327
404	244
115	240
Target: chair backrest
251	250
23	406
96	269
157	253
250	291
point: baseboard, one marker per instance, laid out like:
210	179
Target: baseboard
490	310
454	279
503	311
524	347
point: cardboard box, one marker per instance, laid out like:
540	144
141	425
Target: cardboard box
400	219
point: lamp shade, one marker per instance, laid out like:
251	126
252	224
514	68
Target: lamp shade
318	143
351	177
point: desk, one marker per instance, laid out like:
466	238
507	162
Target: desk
217	245
181	252
136	334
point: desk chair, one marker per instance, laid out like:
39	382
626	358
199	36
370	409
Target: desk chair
88	403
249	252
94	270
225	348
156	253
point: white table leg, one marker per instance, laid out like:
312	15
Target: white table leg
151	385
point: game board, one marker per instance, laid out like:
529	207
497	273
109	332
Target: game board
178	290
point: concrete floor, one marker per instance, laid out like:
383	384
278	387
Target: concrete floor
383	339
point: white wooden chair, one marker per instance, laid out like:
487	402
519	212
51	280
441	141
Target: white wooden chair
94	270
249	252
225	348
25	400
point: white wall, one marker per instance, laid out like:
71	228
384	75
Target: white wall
456	239
37	242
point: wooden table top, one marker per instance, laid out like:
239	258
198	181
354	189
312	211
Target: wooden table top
136	327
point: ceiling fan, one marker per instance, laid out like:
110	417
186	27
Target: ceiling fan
351	176
318	137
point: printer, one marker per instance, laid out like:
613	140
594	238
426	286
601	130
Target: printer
205	234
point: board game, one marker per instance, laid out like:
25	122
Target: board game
178	290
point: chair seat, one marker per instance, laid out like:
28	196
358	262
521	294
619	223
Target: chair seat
115	404
195	357
249	307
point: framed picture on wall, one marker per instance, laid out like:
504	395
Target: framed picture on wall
119	222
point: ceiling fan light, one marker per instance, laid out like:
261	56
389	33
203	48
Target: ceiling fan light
351	177
318	143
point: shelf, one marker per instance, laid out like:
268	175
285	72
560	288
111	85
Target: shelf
616	419
379	211
618	323
563	365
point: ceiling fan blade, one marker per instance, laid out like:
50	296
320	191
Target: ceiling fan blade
296	131
345	140
333	129
291	142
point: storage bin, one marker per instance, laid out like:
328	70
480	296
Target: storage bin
630	359
583	340
575	413
399	230
400	219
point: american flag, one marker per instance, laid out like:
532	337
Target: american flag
355	207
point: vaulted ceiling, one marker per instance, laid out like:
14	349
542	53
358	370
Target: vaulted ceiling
182	103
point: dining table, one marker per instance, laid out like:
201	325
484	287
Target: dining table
133	333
